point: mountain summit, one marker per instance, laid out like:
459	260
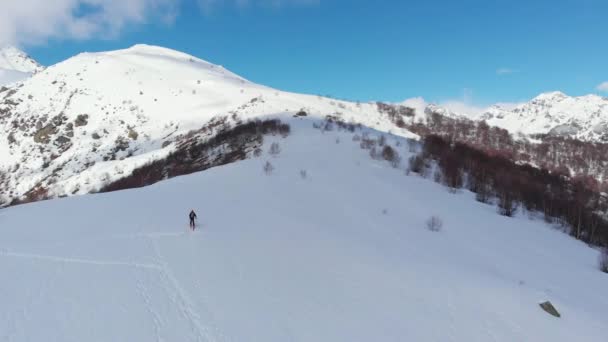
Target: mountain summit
11	58
16	65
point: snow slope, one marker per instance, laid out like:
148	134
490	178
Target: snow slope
341	255
16	65
65	124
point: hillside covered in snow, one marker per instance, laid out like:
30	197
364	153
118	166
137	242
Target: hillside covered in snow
325	244
84	123
93	118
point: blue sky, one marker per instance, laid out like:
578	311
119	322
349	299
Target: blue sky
476	51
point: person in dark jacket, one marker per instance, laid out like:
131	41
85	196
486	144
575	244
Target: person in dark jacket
192	218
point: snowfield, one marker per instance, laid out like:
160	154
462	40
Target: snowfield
340	255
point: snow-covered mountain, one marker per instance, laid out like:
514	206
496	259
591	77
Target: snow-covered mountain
554	113
85	122
330	246
16	65
314	236
97	116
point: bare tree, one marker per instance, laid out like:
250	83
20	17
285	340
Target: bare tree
434	224
412	145
275	149
507	206
268	168
604	260
303	174
382	140
391	155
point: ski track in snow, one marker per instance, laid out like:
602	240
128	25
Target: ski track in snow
156	318
182	300
60	259
171	285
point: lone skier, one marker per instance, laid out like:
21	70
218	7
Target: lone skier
192	218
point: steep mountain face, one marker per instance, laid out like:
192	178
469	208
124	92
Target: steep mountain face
16	65
555	113
95	117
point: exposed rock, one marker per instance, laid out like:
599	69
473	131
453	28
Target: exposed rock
95	136
81	120
550	309
121	144
62	140
565	130
133	134
43	135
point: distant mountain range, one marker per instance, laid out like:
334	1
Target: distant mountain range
554	113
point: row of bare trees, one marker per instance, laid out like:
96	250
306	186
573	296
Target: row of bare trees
570	157
229	145
494	178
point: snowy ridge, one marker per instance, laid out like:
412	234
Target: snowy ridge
553	113
96	116
16	65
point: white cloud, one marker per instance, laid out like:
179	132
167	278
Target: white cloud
418	103
506	71
603	87
209	5
35	21
31	22
460	106
464	108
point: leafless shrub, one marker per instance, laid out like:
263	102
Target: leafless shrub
391	155
367	143
417	164
434	224
303	174
382	140
412	145
437	176
275	149
356	137
604	260
337	140
268	168
374	153
328	127
257	152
